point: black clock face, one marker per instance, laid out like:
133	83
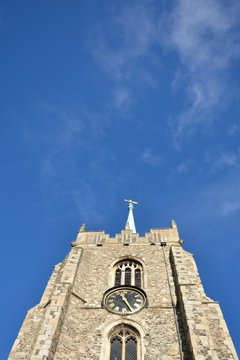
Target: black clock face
124	300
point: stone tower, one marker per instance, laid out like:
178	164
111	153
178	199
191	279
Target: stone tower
126	297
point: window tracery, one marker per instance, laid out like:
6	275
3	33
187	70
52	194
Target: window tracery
124	344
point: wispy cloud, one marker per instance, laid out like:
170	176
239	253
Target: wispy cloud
223	197
128	37
222	160
122	98
226	159
182	168
135	42
233	129
56	133
152	159
179	170
122	43
229	206
68	152
205	36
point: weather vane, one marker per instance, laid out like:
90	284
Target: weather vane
131	201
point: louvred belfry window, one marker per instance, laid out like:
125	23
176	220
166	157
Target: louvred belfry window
128	276
124	344
138	277
118	277
128	272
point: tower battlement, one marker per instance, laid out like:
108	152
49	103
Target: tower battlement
154	237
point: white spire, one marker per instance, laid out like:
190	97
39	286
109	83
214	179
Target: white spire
130	220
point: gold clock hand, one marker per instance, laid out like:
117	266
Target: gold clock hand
126	302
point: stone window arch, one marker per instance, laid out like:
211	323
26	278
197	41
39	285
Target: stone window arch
113	329
128	272
124	343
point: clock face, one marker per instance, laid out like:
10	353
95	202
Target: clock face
124	300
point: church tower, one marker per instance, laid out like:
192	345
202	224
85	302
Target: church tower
127	297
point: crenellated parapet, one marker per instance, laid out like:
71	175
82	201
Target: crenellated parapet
128	237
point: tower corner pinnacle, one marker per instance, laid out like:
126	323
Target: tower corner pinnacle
82	228
127	226
174	225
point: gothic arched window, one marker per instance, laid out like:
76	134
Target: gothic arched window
128	272
124	344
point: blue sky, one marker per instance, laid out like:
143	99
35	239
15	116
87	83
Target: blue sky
106	100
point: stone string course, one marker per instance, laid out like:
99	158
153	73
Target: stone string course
70	323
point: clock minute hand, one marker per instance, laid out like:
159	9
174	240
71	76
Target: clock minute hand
126	302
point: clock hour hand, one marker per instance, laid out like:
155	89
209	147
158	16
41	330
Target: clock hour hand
126	302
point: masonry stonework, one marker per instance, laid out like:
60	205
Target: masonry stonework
71	323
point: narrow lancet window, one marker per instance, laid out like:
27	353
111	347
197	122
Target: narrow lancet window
116	348
131	348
